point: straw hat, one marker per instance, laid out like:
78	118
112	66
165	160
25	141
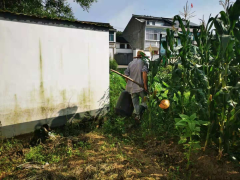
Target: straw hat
139	54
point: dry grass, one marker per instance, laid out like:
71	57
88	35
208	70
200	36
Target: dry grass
110	158
105	159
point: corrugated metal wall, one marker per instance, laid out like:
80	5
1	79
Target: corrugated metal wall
123	58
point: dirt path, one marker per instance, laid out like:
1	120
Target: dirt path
104	158
94	156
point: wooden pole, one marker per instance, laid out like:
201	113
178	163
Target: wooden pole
128	79
133	82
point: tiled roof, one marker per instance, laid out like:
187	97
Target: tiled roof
121	40
184	22
107	25
169	20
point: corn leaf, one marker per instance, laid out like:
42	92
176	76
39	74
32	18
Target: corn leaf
183	116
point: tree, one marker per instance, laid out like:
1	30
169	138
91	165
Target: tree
44	8
85	4
119	33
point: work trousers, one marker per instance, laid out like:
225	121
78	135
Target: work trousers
135	100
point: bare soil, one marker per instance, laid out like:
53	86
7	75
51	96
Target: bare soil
110	158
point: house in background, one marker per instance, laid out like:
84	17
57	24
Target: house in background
123	45
119	49
112	43
124	52
144	31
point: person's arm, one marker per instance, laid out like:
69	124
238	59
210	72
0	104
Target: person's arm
145	79
127	73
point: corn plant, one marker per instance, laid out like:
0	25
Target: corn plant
211	73
219	54
153	70
188	127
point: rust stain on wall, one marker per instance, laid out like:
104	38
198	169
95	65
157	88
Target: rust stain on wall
42	94
16	111
48	108
64	96
85	100
82	99
33	96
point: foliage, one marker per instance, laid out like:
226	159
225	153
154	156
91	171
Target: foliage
117	85
119	33
211	73
113	64
114	125
204	79
35	155
225	4
188	127
85	4
44	8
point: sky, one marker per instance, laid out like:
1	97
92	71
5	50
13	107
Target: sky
119	12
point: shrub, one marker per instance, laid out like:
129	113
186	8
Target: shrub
35	155
113	64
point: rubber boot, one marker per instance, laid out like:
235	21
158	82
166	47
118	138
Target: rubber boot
141	110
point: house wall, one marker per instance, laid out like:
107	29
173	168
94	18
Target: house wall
112	50
118	50
134	33
112	46
115	36
48	72
123	51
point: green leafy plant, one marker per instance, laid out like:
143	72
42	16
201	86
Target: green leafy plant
115	126
113	64
69	151
35	155
210	73
189	127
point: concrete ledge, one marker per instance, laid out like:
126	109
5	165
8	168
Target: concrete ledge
28	127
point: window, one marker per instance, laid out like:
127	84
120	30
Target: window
128	46
152	23
122	46
111	36
159	23
152	34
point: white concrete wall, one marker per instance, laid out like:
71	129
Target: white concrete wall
110	53
48	71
